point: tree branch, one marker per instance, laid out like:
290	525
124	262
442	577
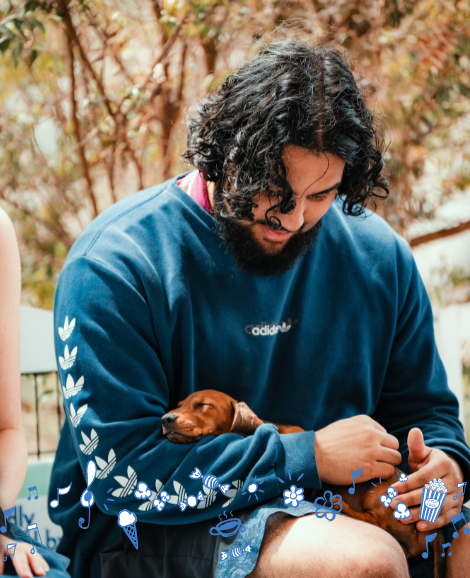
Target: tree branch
86	63
442	234
56	231
76	128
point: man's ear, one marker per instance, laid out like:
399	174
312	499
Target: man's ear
245	421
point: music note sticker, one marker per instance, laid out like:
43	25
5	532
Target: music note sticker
454	520
34	527
9	547
429	538
87	499
60	492
461	485
33	489
444	546
7	513
355	475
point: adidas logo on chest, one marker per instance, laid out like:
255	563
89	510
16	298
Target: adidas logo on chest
266	329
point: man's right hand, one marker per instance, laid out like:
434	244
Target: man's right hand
350	444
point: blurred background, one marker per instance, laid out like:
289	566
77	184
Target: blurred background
93	100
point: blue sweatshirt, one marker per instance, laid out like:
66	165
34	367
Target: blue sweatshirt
150	308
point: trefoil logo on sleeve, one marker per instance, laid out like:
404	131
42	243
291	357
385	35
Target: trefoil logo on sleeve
274	328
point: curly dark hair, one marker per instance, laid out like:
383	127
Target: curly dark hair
289	93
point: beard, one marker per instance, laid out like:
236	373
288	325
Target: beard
250	256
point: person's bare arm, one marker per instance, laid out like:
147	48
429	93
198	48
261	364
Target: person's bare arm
13	454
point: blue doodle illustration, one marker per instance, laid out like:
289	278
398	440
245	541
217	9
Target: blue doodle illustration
228	527
160	502
192	501
60	492
429	538
324	510
127	522
355	475
87	499
7	513
143	492
209	481
373	491
432	499
32	489
403	478
294	495
234	552
402	512
12	554
454	520
109	499
386	499
461	485
34	527
253	488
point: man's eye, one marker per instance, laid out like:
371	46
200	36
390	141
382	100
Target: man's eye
321	197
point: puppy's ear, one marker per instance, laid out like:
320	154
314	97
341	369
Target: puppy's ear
245	421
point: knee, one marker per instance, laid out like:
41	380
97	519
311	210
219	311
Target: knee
384	559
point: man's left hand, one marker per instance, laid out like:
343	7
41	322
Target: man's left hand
426	464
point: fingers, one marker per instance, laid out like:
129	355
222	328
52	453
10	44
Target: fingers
389	457
419	479
21	564
389	441
38	564
444	517
26	563
412	500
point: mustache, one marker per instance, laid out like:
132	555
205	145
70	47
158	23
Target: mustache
280	230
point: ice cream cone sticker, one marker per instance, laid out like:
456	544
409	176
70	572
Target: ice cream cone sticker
127	522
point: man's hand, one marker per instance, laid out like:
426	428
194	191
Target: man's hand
426	464
350	444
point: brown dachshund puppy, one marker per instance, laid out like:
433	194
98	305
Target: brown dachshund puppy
211	412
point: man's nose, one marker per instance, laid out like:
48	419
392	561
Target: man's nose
294	220
168	419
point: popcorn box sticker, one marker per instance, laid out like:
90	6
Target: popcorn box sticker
432	499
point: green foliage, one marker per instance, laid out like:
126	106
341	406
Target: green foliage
21	25
69	150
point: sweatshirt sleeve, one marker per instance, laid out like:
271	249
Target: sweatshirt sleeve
415	392
107	340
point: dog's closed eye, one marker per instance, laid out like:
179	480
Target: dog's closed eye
197	405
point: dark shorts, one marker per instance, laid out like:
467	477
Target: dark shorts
192	552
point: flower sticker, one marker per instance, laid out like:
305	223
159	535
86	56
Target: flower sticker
324	510
293	496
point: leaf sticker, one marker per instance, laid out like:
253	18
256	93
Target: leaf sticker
128	484
232	492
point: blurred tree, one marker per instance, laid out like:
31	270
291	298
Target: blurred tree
94	92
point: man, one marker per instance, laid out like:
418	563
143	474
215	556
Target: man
255	276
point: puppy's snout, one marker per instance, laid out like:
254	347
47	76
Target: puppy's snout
168	419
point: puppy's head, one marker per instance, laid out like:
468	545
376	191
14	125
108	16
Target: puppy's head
205	413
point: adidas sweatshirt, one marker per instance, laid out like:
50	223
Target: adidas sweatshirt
150	308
